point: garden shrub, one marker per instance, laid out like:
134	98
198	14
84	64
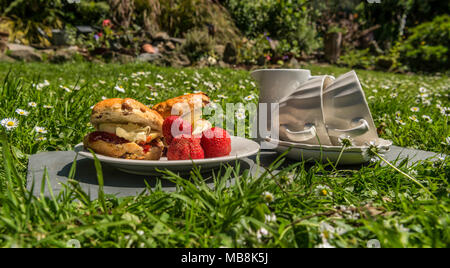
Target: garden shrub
86	12
396	17
285	20
427	48
255	50
177	17
26	22
355	58
198	43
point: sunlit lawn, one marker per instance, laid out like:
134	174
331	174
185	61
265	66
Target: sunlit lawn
289	209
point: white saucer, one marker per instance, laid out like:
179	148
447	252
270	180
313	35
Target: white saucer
324	153
240	148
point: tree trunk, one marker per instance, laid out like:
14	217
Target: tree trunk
332	46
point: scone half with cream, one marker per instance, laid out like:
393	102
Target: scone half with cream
125	128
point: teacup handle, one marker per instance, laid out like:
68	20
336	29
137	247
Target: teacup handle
303	135
362	128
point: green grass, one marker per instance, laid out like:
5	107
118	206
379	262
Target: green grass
311	204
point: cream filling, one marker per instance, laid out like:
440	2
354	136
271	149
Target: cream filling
200	126
131	132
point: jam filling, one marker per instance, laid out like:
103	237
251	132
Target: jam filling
107	137
147	146
114	139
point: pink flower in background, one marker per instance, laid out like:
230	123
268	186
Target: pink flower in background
107	23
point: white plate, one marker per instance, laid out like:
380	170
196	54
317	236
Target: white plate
240	148
307	152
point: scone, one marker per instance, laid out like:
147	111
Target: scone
125	128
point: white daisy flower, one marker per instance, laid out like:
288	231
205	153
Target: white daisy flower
422	90
240	115
102	82
135	84
48	106
393	95
151	99
415	109
268	197
154	94
222	96
249	97
104	98
41	138
422	95
270	218
161	85
212	60
322	190
427	119
65	88
9	123
345	140
212	105
120	89
400	122
41	85
40	130
325	244
32	104
262	232
414	118
22	112
159	77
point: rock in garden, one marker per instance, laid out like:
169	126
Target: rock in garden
63	55
219	50
25	55
222	64
124	58
18	47
147	48
161	36
169	46
177	40
5	58
229	55
3	46
147	57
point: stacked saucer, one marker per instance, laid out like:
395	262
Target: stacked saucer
318	115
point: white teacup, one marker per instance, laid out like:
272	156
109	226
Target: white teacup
346	112
301	113
274	85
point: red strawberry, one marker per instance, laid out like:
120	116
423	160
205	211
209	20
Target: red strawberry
185	147
216	142
174	126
